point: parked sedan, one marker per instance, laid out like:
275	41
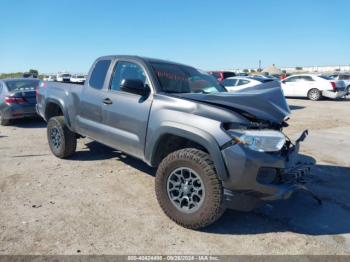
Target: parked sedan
233	84
344	77
313	87
17	99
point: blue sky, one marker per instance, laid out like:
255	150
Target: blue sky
58	35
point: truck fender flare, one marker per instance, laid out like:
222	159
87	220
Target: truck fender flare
194	134
59	103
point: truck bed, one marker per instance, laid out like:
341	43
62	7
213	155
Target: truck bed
65	94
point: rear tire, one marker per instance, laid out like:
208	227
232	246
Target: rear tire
62	140
4	122
198	204
314	94
348	91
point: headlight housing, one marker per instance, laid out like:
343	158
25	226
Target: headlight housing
262	140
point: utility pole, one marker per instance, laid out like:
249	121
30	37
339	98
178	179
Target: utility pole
259	65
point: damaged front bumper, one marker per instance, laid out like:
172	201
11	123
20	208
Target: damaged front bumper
256	177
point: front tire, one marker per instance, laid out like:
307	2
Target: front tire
314	94
188	189
62	140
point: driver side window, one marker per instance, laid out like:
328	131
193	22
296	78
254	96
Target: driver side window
291	79
126	71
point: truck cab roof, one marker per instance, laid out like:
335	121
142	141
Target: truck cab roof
140	59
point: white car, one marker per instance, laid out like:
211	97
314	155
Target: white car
312	86
236	83
63	77
49	78
78	79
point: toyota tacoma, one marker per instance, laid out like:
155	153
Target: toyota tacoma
213	149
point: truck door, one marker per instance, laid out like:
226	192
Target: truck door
89	119
126	113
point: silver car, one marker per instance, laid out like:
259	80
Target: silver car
17	99
344	77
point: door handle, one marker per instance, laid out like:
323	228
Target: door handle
107	101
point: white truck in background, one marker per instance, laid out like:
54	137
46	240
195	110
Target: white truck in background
78	78
63	77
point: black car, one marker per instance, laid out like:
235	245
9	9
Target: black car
30	75
17	98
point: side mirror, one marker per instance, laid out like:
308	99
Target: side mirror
134	86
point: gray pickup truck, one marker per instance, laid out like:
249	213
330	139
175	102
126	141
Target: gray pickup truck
213	149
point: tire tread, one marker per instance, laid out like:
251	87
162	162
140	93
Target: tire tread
70	139
208	215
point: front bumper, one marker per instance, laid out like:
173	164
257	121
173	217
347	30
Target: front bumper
334	94
255	177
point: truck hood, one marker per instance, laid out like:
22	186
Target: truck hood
265	101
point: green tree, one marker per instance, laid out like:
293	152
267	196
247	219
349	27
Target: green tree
11	75
34	71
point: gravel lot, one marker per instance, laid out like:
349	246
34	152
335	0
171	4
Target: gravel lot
103	202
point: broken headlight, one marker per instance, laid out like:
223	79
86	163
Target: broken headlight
261	140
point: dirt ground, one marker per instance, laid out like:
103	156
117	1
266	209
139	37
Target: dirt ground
103	202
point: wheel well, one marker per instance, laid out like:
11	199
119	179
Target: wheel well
52	109
170	143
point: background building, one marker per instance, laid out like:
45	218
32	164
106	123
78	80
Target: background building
317	69
297	69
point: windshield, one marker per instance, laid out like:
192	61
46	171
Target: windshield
21	85
175	78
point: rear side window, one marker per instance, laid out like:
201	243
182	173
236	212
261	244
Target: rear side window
229	82
292	79
344	77
243	82
99	73
306	78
